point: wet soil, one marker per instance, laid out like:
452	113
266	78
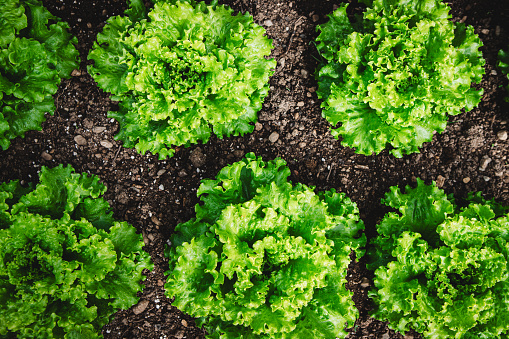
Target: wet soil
154	196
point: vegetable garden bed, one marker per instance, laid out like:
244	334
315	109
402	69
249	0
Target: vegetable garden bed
153	195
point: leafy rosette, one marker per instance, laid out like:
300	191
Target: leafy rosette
36	51
442	270
65	264
503	64
391	75
264	258
181	71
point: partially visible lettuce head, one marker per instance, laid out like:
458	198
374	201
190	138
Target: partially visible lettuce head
264	258
391	76
65	264
503	64
36	51
442	270
181	71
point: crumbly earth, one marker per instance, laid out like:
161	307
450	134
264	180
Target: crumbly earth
154	196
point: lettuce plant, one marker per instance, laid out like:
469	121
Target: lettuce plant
503	64
391	75
442	270
65	264
36	51
264	258
181	71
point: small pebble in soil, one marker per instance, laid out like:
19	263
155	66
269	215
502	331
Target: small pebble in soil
155	220
485	161
502	135
141	306
267	23
258	126
273	137
440	181
106	143
198	159
364	282
80	140
99	129
466	180
46	156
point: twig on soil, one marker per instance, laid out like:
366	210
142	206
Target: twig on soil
116	155
298	22
328	175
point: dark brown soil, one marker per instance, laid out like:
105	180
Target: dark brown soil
155	195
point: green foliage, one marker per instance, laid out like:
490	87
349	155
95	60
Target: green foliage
503	64
442	269
65	264
36	51
264	258
391	76
181	71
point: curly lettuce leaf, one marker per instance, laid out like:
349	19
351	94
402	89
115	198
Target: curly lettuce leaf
392	76
53	34
181	72
449	285
59	273
12	20
420	210
36	51
264	258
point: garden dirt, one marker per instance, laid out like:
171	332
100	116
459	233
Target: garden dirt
155	195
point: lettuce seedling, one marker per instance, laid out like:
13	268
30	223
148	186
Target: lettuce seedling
391	76
36	51
441	269
503	64
181	71
264	258
65	264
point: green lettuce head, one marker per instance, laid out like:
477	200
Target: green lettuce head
442	270
181	71
264	258
391	76
65	264
36	51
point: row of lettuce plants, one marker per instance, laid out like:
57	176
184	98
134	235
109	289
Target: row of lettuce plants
184	70
263	258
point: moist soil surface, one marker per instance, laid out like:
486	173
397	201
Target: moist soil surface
155	195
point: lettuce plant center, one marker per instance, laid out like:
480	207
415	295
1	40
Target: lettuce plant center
401	69
172	74
25	265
